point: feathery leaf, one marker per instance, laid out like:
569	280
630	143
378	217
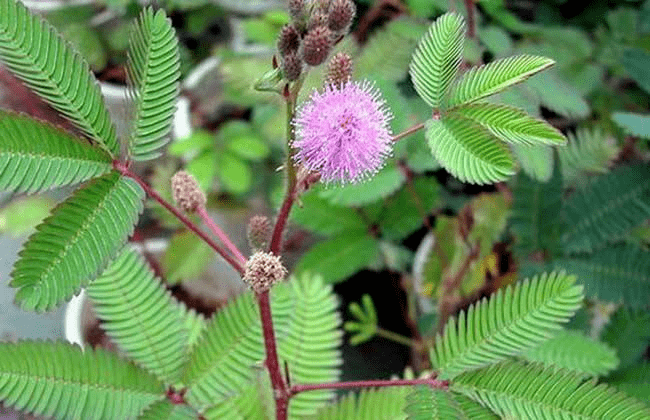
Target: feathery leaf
36	54
606	209
531	392
628	332
510	322
491	78
588	152
74	244
468	151
154	68
511	124
58	379
139	315
369	404
54	160
437	58
424	403
165	410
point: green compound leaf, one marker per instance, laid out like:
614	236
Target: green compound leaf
510	322
628	332
620	273
635	124
573	350
634	381
535	161
369	404
522	391
223	371
468	151
55	379
365	327
140	316
606	209
338	258
380	186
589	151
154	69
36	54
511	124
425	403
437	58
186	258
56	159
74	244
165	410
318	215
486	80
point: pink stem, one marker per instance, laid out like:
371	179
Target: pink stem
203	214
124	170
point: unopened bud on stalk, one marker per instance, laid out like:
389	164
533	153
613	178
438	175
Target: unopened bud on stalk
289	40
291	66
316	45
339	70
263	269
340	15
186	192
259	232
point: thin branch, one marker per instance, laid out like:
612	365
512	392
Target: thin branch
205	217
408	131
471	19
124	170
397	338
432	382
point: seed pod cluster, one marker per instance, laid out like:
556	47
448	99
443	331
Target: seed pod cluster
314	28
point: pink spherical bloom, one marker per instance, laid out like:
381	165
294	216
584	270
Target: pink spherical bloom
343	133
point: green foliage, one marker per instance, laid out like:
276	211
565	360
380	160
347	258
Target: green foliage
424	403
619	273
468	151
628	332
35	53
436	60
369	404
22	215
55	160
366	326
510	322
634	381
58	379
319	216
76	243
186	258
220	373
154	68
381	185
589	151
635	124
573	350
510	124
637	61
533	391
535	218
480	82
338	258
167	411
607	208
140	316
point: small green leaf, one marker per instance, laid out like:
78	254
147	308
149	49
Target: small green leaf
486	80
557	95
320	216
468	151
437	58
510	124
635	124
246	144
186	257
637	62
204	169
22	215
365	327
536	161
198	140
338	258
235	174
381	185
628	332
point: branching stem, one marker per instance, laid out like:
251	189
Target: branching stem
408	131
205	217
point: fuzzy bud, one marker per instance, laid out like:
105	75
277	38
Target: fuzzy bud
297	10
186	192
339	70
259	231
291	66
263	269
289	40
340	15
317	19
316	45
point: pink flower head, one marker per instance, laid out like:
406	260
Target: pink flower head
343	132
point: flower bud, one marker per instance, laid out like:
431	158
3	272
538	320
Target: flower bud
317	19
339	70
258	232
316	45
340	15
289	40
263	269
291	66
297	10
186	192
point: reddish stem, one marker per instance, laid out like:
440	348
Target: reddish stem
432	382
279	386
124	170
471	20
408	131
203	214
281	221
